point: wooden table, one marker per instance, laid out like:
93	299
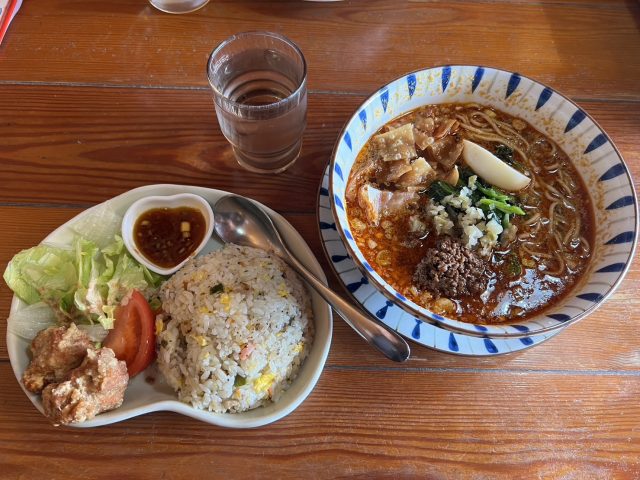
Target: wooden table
98	97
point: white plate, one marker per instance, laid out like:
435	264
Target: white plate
143	397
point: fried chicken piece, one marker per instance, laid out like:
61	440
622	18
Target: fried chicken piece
96	386
56	351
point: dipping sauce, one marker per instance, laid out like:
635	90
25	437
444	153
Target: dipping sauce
167	236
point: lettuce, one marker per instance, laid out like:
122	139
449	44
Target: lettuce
84	284
43	273
27	322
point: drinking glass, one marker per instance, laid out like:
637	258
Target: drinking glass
178	6
259	82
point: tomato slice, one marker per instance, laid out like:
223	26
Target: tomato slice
132	338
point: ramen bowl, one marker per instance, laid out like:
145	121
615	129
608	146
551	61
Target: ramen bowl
591	151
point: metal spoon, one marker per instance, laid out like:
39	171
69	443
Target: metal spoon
238	220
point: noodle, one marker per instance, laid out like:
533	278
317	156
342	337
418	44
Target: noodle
481	135
564	185
553	190
542	141
475	122
568	205
566	178
506	126
558	241
574	230
551	209
549	196
533	219
561	266
549	243
585	245
533	253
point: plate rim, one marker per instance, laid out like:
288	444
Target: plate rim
229	420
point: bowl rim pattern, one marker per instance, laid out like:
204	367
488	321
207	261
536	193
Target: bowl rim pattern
531	326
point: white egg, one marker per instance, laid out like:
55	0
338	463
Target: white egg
491	169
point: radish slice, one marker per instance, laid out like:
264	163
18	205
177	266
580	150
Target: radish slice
493	170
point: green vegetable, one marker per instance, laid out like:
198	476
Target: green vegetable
217	288
239	381
155	304
42	273
501	206
439	189
504	153
514	266
492	192
505	221
28	321
464	174
495	203
84	284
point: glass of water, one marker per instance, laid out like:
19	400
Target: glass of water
178	6
259	82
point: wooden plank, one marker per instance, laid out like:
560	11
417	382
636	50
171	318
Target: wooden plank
84	145
600	342
453	425
554	42
66	145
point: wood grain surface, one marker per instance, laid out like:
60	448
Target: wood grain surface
571	46
100	97
340	433
105	140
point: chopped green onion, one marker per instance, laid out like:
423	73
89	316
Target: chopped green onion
515	267
502	206
492	192
505	221
439	189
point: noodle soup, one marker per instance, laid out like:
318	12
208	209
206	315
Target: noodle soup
470	213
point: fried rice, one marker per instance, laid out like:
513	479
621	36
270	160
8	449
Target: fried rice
236	328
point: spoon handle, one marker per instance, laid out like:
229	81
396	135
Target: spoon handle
388	342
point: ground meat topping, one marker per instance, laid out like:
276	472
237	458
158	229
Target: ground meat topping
450	270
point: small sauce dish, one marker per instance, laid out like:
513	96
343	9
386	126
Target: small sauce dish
164	232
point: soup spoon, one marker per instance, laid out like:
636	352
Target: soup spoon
238	220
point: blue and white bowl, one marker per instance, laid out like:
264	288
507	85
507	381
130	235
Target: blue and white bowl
596	157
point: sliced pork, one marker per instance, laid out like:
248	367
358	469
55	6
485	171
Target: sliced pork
378	203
